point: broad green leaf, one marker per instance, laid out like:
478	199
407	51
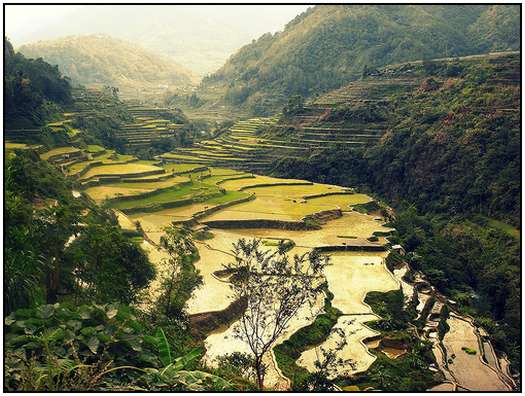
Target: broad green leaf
87	331
163	347
85	313
135	345
45	311
112	311
51	335
150	340
103	337
9	320
74	324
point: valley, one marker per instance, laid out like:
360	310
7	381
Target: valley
346	226
211	186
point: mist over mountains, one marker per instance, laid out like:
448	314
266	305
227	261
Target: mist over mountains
200	38
102	60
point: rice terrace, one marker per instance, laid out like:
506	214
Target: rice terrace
314	215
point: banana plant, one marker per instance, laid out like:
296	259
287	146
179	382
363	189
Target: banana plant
175	374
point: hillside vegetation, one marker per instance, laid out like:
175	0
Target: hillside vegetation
328	46
98	60
33	90
73	273
450	163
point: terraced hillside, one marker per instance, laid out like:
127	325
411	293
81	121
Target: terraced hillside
254	144
248	145
149	124
145	125
238	148
230	204
86	104
357	115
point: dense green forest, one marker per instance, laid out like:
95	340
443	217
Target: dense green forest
328	46
33	90
450	164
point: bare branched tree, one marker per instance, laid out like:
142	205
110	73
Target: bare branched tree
275	289
329	362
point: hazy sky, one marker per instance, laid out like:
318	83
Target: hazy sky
27	23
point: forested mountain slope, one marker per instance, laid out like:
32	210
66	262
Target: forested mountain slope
98	60
451	135
328	46
33	89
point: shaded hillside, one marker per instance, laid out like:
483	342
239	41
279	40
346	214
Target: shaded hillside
33	90
328	46
98	60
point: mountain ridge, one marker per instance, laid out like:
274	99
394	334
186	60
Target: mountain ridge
328	46
99	59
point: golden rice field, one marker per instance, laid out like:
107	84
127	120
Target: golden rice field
9	145
58	151
100	193
121	169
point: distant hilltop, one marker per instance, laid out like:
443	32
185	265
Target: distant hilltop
98	59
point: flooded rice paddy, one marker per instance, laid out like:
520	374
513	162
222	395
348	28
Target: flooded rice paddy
350	275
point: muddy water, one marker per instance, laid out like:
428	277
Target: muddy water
214	294
468	370
355	355
226	342
350	277
159	259
408	289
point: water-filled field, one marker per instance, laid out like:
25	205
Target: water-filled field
350	277
148	195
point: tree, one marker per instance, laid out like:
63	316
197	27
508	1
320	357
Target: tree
366	72
181	278
275	288
329	363
108	265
